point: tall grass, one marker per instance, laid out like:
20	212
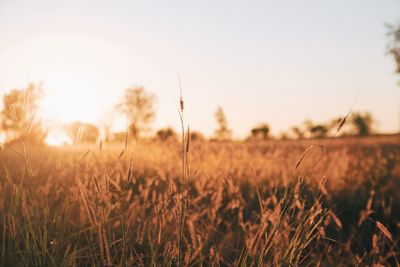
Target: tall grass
242	205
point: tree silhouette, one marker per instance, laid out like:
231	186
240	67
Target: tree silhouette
298	132
19	115
362	123
222	132
261	132
284	135
316	130
394	44
138	106
166	134
196	136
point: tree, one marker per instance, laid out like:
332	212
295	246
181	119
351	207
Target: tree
298	132
261	132
19	115
83	132
316	130
138	106
283	135
362	123
222	132
196	136
394	44
166	134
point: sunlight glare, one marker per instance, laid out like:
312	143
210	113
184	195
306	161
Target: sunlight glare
58	139
67	101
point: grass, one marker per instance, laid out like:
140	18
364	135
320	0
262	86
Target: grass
239	204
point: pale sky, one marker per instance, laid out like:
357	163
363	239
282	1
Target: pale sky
279	62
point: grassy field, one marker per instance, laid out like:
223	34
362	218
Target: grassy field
321	203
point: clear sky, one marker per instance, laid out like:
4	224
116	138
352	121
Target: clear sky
279	62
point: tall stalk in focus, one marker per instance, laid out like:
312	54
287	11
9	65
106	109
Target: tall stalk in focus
184	175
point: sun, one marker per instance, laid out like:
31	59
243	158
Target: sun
68	97
82	77
76	74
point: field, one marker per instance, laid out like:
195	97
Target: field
330	202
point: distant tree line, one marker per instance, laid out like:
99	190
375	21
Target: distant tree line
19	122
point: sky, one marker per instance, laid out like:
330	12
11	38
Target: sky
279	62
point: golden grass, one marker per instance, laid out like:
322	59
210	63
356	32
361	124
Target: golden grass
239	204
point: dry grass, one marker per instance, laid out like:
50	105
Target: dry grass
239	204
